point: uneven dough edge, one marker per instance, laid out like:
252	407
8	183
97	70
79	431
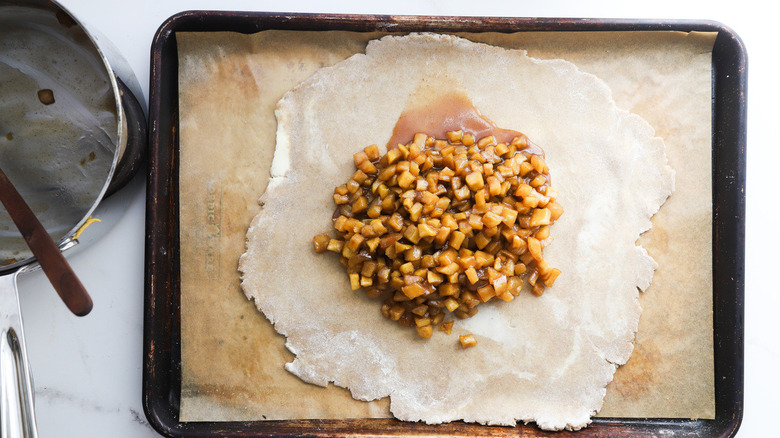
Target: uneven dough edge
280	172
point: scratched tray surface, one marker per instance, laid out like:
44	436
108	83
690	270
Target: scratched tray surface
162	360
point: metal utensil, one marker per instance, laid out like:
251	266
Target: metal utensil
17	413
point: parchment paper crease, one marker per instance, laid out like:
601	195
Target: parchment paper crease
232	360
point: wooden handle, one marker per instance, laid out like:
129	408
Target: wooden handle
45	250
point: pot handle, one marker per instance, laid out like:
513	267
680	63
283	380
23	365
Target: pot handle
17	410
133	156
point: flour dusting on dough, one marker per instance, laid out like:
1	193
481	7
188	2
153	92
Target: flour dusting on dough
544	359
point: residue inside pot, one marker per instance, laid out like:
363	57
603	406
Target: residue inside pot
58	122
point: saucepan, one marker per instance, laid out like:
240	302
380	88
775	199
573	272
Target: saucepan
72	133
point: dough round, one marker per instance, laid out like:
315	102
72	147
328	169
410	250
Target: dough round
546	359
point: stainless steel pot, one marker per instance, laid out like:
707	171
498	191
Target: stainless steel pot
71	134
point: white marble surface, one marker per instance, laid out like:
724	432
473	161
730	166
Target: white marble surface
88	370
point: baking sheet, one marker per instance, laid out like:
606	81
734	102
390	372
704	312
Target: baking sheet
229	83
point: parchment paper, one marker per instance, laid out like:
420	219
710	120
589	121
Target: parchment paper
229	83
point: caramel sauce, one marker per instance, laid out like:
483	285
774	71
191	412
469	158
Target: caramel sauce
436	114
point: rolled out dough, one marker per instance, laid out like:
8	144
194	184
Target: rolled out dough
545	359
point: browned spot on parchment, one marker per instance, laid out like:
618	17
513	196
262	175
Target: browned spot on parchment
656	240
644	372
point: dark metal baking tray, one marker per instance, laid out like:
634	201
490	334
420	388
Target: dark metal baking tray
162	371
